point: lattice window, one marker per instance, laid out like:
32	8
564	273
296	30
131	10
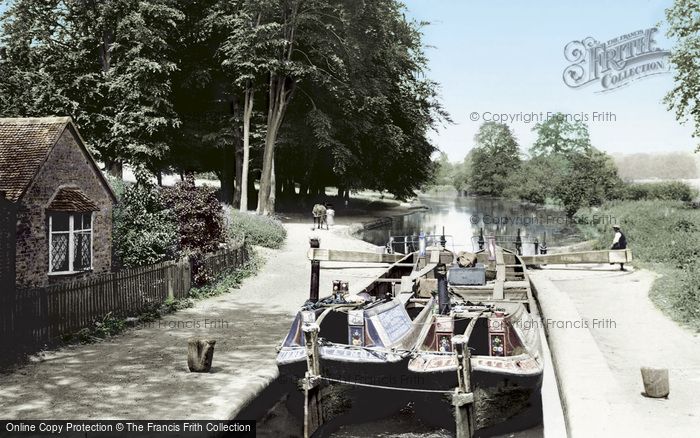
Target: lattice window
82	251
59	252
70	242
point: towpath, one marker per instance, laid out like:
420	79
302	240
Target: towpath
602	392
142	374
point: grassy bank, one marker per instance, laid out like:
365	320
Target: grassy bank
664	237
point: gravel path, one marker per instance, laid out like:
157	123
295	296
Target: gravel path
631	332
142	374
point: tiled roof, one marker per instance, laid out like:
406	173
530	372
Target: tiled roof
24	145
71	199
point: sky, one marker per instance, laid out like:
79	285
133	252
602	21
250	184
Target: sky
506	57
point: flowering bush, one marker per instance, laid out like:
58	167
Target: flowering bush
200	222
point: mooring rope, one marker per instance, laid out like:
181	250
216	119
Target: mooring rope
392	388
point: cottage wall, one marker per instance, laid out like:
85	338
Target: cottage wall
8	223
67	165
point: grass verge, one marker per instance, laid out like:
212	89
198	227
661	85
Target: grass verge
257	230
664	237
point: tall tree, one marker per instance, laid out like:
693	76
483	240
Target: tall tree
301	36
558	134
496	155
366	128
684	25
242	56
108	64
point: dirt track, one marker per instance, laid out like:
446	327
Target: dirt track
143	374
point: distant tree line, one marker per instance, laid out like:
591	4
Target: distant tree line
292	93
561	167
671	165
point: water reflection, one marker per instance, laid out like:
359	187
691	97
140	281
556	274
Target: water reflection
463	217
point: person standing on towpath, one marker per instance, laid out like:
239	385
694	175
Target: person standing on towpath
619	242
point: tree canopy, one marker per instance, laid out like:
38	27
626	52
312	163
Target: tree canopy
300	94
684	25
495	157
558	134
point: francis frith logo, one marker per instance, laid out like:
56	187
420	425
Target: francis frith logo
614	63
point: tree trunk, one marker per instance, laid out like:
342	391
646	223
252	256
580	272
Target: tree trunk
116	169
280	94
234	157
655	382
273	189
252	193
247	114
237	190
200	354
226	177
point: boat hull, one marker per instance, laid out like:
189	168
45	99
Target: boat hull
503	402
353	391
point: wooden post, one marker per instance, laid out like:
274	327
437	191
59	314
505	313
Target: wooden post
463	398
543	245
170	272
315	272
311	383
443	293
655	382
200	354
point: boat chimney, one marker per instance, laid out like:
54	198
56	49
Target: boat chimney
481	238
314	242
443	241
443	294
519	244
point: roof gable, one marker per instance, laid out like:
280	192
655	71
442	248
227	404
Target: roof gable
25	144
71	199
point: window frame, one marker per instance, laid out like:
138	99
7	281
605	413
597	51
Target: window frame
71	241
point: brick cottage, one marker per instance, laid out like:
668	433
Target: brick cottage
63	203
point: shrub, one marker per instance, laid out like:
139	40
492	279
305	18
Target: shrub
199	216
200	222
257	230
145	231
665	191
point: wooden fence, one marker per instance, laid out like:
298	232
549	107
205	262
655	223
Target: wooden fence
36	316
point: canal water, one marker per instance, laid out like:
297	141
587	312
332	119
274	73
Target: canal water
463	217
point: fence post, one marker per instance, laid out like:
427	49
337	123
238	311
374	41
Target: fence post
170	275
